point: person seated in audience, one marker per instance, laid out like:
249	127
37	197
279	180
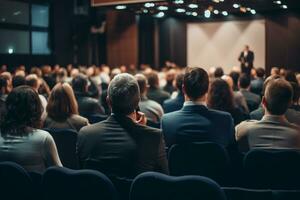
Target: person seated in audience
298	78
33	81
21	140
48	76
62	109
195	122
235	77
239	99
275	71
220	97
219	72
4	91
8	77
170	77
171	105
292	115
273	131
18	81
290	76
87	105
253	100
295	105
257	83
122	144
152	110
154	92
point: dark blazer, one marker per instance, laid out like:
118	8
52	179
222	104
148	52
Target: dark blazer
171	105
246	59
158	95
122	147
257	86
253	100
88	106
197	123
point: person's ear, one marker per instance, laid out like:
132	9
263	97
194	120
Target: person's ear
264	102
108	101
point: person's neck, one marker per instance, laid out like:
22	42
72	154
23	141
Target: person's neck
199	100
267	113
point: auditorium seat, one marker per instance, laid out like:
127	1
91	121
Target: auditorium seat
272	169
66	140
96	118
62	184
15	183
156	186
204	159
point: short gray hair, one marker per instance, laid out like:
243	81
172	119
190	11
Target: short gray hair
124	94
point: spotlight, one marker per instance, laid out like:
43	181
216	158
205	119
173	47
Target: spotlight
10	50
216	12
253	12
178	1
194	14
207	13
149	5
225	13
121	7
277	2
162	8
180	10
236	5
160	15
284	6
192	5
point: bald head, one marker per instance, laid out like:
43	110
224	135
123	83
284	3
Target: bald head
123	94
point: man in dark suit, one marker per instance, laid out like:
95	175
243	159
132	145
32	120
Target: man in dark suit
87	105
195	122
155	93
122	144
253	100
246	58
258	82
171	105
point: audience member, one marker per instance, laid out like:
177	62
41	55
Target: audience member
33	81
152	110
295	105
275	71
170	77
18	81
87	105
220	97
122	144
273	131
154	92
195	122
219	72
21	140
235	77
257	83
62	109
4	90
253	100
171	105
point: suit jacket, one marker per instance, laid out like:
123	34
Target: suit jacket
75	122
123	147
197	123
253	100
291	115
247	59
88	106
171	105
257	86
158	95
272	132
152	110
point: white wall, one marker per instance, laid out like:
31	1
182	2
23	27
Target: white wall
220	43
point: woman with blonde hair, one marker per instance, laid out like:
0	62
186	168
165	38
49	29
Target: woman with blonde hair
62	109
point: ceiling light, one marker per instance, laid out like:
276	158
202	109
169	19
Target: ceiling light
120	7
194	14
188	13
253	11
178	1
207	13
277	2
160	15
284	6
149	5
192	5
216	12
10	50
236	5
145	11
180	10
225	13
162	8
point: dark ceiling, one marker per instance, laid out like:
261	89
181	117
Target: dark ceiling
197	9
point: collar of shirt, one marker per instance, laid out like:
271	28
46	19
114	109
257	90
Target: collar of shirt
193	103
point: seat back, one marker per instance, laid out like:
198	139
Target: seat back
15	182
273	169
152	185
204	159
247	194
61	183
65	140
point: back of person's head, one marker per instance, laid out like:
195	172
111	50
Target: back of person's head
123	94
62	74
228	80
37	71
18	81
296	91
275	71
143	82
235	77
32	80
219	72
170	75
3	85
268	80
80	83
278	96
179	81
153	79
23	112
260	72
244	81
290	76
220	96
195	82
62	103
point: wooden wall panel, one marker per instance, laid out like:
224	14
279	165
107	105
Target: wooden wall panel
122	38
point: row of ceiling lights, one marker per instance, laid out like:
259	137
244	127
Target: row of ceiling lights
207	13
